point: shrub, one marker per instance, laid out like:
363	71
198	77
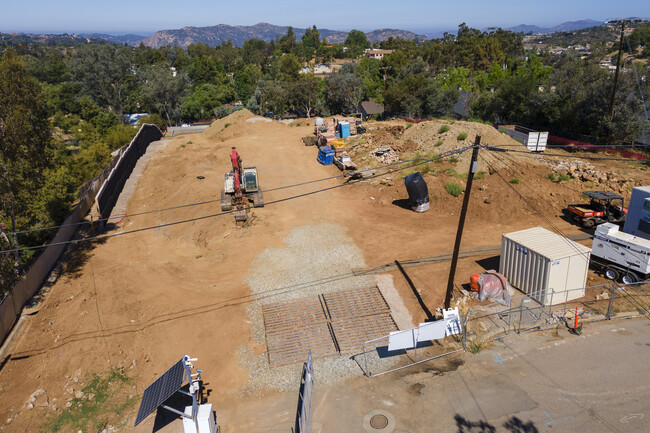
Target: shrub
558	177
438	143
453	173
226	125
443	129
515	180
408	125
462	136
453	159
454	189
476	346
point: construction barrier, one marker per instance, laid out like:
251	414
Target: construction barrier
123	163
111	189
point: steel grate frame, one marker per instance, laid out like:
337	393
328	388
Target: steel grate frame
328	324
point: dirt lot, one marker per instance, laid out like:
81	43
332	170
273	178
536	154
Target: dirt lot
143	300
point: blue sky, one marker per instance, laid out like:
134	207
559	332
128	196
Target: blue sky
137	16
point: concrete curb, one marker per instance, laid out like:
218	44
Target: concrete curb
547	327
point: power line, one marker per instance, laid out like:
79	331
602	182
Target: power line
501	149
208	201
95	238
544	218
553	226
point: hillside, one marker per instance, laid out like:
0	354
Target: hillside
129	39
564	27
215	35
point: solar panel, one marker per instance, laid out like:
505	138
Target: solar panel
159	391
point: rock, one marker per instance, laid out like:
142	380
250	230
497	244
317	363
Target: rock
487	201
37	399
9	420
91	396
78	394
68	404
381	150
78	373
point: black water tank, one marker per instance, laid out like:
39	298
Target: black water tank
417	189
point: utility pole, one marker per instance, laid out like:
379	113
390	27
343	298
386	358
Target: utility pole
473	166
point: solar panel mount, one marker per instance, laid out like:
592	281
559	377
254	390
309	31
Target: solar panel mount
161	389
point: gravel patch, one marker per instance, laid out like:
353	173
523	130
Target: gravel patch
315	259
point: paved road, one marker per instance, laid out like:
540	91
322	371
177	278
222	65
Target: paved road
538	382
598	382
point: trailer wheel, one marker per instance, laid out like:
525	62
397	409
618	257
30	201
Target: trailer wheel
611	273
589	223
629	278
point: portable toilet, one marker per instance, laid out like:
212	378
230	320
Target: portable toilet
344	129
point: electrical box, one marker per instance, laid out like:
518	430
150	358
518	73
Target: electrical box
205	419
544	265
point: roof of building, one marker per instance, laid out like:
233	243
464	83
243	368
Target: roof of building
379	51
371	107
546	243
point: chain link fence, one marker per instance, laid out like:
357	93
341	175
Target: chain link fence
523	314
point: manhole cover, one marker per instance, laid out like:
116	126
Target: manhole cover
378	421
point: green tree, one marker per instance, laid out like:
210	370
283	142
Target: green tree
289	67
305	93
164	90
25	145
105	73
356	41
342	92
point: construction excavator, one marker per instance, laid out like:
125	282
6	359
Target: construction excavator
240	187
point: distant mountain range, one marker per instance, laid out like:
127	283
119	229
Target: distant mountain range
564	27
215	35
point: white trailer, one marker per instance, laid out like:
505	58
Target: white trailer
620	255
534	141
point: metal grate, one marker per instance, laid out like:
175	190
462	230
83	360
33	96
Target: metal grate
293	314
328	324
293	345
355	303
351	333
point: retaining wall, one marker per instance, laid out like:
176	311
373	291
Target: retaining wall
103	189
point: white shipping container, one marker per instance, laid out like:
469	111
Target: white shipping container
544	265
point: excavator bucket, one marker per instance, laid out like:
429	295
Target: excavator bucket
240	215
